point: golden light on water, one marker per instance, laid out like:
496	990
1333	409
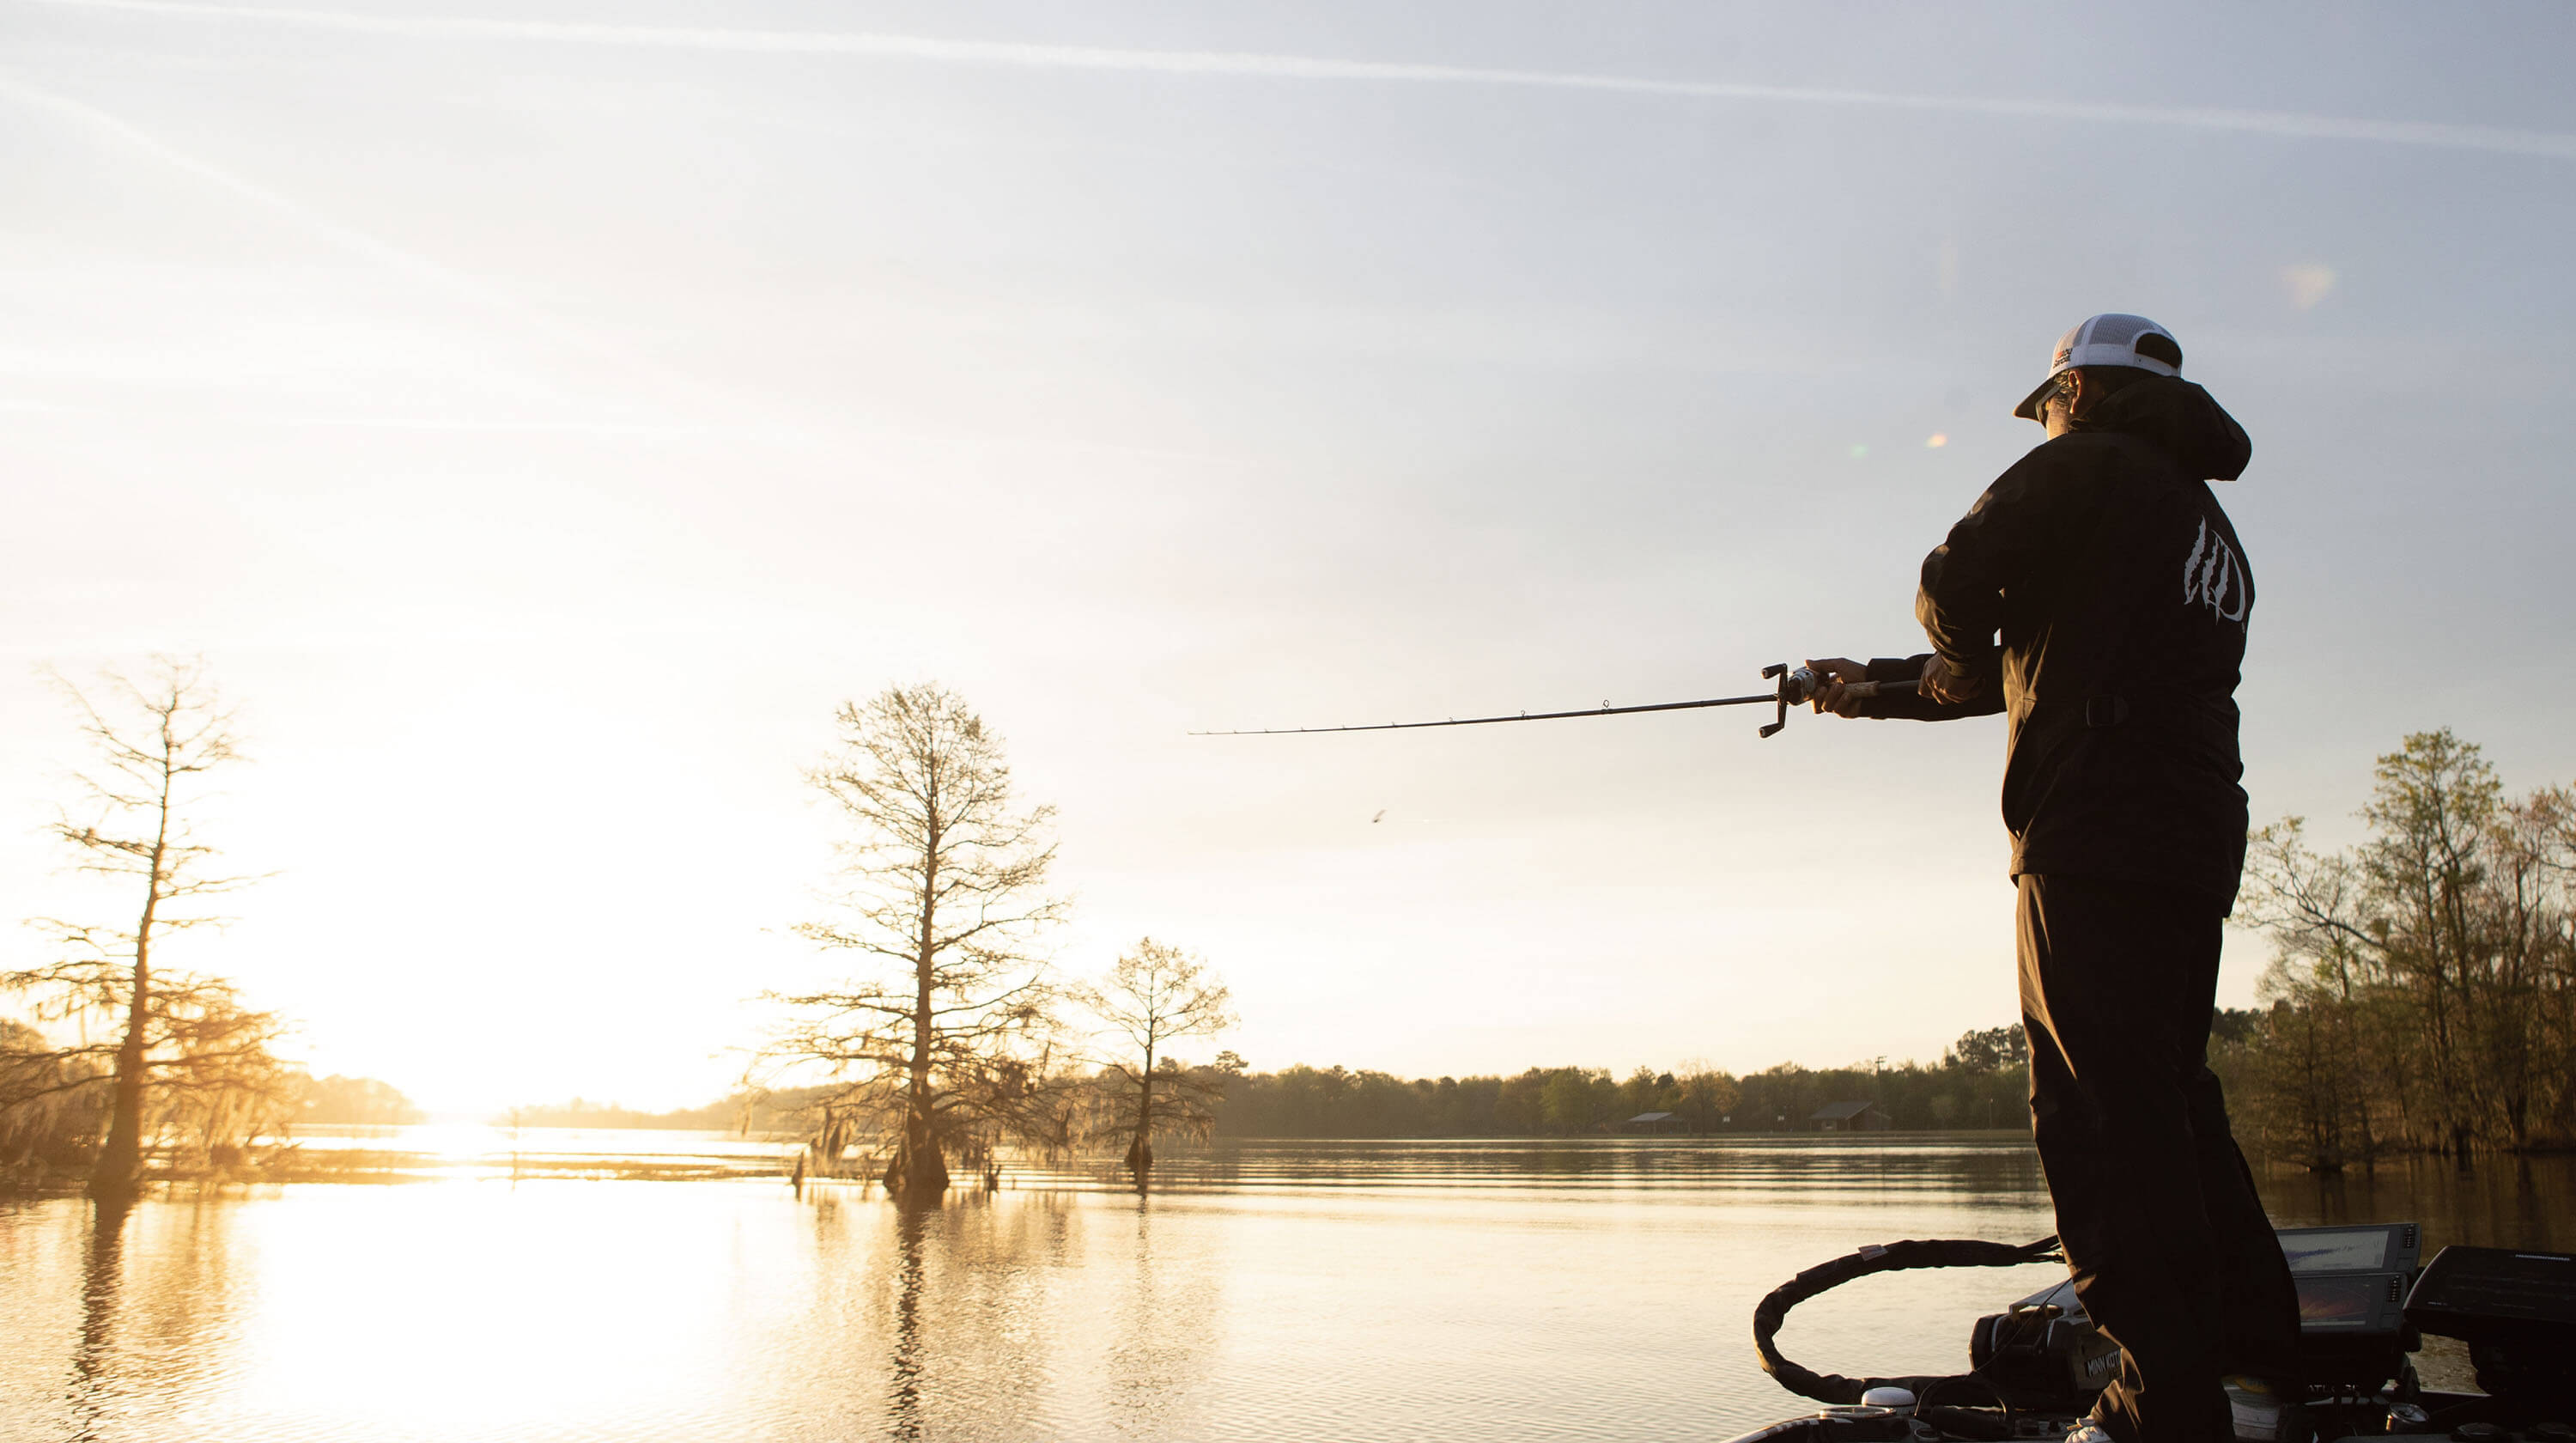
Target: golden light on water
454	1149
466	1311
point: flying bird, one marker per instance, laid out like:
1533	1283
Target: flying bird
1381	816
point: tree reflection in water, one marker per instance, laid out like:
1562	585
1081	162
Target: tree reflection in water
975	1294
92	1376
1165	1334
2511	1201
958	1312
903	1403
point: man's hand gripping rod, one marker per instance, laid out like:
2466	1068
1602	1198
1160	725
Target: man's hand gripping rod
1794	687
1800	685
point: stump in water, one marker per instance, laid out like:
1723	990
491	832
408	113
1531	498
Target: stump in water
917	1173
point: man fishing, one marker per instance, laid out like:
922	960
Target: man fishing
2097	595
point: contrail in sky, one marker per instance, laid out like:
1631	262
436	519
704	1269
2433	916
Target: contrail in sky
2556	145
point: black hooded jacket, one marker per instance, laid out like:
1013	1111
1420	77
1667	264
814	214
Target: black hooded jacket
2120	596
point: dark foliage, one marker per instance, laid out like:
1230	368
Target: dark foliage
1982	1082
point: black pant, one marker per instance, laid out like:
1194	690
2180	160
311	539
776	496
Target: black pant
2171	1252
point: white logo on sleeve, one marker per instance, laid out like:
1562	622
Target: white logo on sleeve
2213	577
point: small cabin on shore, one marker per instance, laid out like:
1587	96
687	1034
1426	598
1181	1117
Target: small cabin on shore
1849	1117
1655	1122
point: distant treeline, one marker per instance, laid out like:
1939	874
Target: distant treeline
349	1101
787	1110
1981	1081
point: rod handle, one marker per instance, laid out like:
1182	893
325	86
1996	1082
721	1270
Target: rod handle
1867	689
1802	685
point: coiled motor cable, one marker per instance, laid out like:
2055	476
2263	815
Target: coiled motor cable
1834	1388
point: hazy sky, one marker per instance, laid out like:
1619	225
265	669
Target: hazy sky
540	416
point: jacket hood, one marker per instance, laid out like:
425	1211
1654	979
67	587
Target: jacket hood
2179	419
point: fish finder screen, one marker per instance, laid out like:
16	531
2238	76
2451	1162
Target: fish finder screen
2337	1302
2354	1250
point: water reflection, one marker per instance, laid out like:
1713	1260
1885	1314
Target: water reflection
1167	1331
99	1273
1969	1165
2491	1202
1593	1290
903	1408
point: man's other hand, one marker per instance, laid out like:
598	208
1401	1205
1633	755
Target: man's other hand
1947	687
1839	673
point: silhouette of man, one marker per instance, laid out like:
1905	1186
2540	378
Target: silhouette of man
2097	595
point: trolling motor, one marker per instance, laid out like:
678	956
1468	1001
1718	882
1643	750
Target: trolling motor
1793	686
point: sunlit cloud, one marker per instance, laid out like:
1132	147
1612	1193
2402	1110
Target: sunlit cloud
2558	145
2309	283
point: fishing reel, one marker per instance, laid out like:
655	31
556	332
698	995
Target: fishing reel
1801	685
1798	686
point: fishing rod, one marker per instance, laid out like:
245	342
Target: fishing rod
1793	686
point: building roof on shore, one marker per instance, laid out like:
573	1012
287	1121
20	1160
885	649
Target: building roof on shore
1652	1117
1841	1111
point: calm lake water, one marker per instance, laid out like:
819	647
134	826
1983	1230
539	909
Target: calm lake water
1597	1289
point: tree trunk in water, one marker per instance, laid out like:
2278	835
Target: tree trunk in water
1140	1153
118	1173
918	1173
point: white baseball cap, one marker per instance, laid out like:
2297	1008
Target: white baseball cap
2110	339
